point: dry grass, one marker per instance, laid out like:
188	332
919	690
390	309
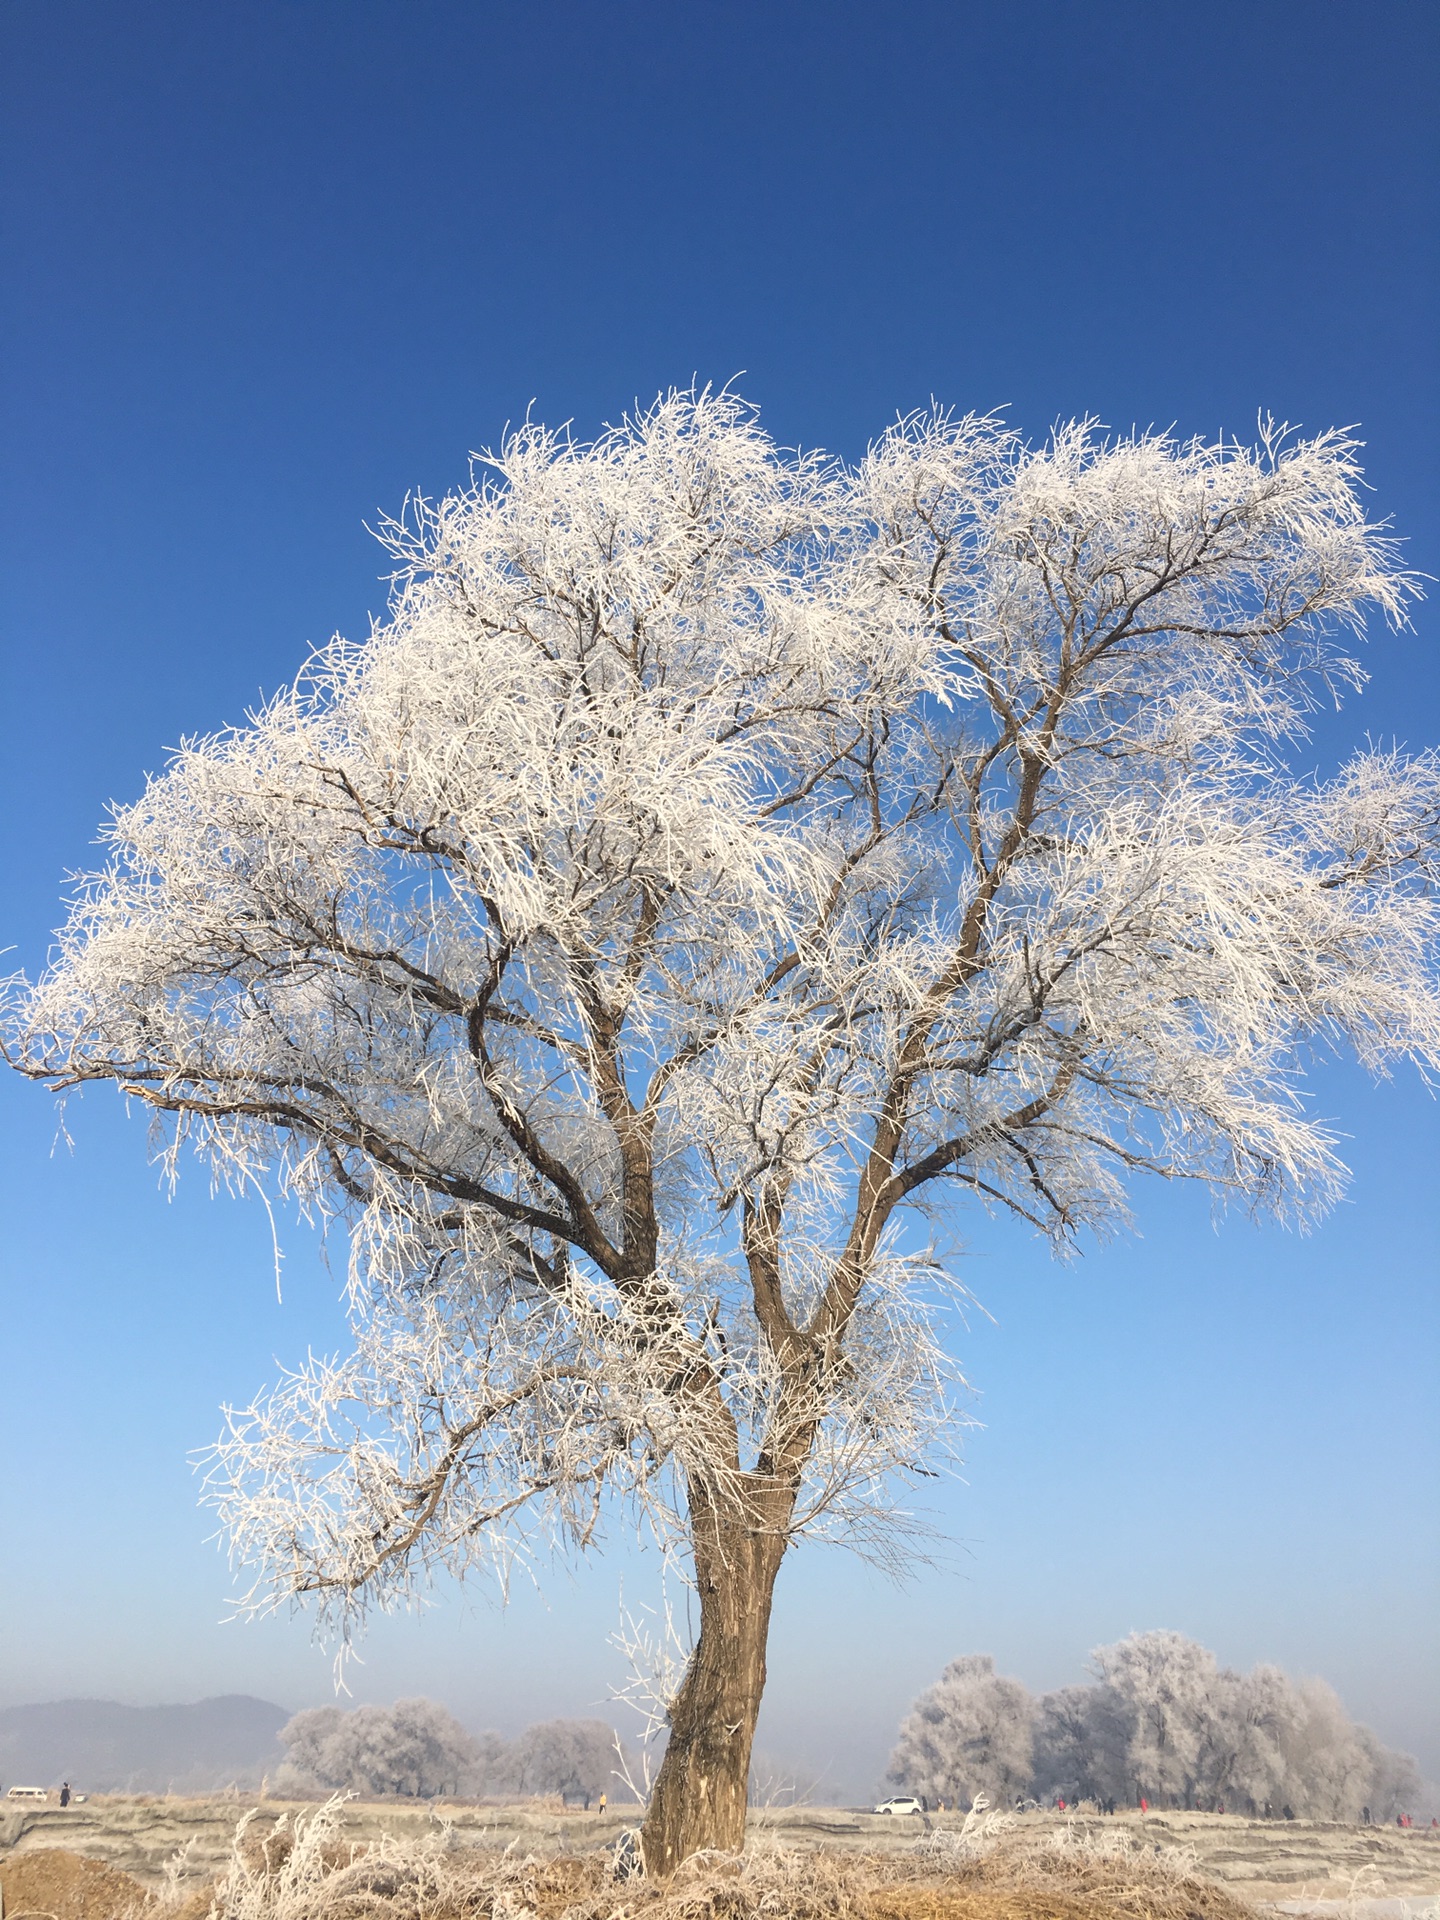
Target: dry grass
303	1870
347	1863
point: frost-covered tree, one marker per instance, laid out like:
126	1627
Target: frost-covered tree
1075	1744
1257	1771
1395	1783
576	1758
1167	1720
304	1737
414	1748
1166	1695
1331	1763
968	1734
1163	1719
491	1772
719	858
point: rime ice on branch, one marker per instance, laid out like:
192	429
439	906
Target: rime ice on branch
718	856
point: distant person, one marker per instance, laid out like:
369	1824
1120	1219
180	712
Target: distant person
1287	1813
1144	1804
1365	1819
64	1793
603	1804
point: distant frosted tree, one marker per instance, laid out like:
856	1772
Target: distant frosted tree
493	1766
1331	1770
1075	1743
305	1737
1298	1746
1165	1695
968	1734
1165	1719
1395	1781
1259	1771
576	1758
414	1748
717	857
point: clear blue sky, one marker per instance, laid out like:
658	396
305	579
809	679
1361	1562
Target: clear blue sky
268	266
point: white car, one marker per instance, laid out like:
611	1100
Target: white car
28	1793
902	1803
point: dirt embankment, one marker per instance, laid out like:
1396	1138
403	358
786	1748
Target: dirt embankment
52	1882
1261	1860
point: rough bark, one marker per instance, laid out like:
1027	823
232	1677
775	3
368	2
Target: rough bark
702	1787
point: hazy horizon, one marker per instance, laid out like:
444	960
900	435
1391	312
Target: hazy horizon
853	1775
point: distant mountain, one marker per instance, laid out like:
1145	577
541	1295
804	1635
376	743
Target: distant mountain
100	1746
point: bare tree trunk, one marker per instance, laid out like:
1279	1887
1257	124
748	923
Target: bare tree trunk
702	1787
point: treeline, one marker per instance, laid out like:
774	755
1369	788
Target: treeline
417	1749
1163	1722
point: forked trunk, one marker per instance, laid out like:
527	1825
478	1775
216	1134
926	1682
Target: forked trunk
702	1787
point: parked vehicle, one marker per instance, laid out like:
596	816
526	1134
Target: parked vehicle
901	1803
28	1793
